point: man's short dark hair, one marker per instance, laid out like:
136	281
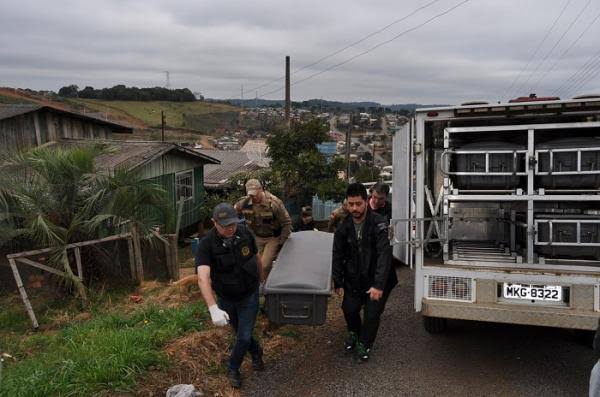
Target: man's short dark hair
382	188
356	189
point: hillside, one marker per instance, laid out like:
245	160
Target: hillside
18	96
191	116
201	116
326	105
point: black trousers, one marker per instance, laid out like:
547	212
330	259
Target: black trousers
366	329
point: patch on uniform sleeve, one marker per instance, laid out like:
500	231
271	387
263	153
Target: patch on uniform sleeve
245	250
382	226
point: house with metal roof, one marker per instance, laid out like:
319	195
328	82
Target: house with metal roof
26	126
179	170
231	162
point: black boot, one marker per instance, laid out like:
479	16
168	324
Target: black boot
257	361
235	378
350	343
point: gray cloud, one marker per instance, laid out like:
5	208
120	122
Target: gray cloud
475	52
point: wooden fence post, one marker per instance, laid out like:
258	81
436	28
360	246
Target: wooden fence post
23	293
132	271
78	261
137	252
171	252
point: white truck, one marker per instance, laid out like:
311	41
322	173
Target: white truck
496	207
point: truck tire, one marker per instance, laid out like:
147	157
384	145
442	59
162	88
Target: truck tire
585	337
435	325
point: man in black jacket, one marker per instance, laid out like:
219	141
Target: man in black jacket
228	266
362	268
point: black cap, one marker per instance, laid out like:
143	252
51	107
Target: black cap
225	215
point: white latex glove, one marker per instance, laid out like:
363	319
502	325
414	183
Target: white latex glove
219	317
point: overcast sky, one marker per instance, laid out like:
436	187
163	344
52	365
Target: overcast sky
482	49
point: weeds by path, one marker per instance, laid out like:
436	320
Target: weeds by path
105	354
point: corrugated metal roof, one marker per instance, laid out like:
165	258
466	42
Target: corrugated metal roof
133	154
232	162
255	145
9	111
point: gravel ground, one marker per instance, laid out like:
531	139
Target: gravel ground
471	359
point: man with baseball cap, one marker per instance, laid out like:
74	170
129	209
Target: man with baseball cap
229	266
267	218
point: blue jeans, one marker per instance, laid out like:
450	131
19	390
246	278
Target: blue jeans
242	317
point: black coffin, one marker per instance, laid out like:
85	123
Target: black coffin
299	284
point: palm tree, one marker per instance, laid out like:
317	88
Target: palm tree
51	197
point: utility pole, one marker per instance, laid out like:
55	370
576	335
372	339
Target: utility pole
256	100
373	161
168	79
287	91
348	139
242	103
162	125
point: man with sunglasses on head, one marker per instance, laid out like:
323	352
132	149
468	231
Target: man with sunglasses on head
228	266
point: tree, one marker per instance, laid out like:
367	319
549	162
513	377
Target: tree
366	156
69	91
364	174
51	197
303	170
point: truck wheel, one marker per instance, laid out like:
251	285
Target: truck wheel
435	325
585	337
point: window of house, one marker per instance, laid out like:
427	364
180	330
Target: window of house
184	184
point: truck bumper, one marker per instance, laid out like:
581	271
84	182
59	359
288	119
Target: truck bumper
512	314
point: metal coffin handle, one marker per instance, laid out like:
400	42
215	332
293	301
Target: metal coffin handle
304	308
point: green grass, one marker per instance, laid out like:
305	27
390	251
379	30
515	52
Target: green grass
290	333
14	319
103	355
5	99
176	113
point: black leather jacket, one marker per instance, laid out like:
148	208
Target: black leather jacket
358	268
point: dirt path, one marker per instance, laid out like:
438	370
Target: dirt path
472	359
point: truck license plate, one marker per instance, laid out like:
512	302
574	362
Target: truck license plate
533	292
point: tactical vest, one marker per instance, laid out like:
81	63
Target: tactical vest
261	218
234	273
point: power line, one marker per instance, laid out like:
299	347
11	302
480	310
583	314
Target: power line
575	77
374	47
537	49
565	52
593	75
554	46
350	45
585	77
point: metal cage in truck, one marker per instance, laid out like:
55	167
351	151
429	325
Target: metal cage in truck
496	207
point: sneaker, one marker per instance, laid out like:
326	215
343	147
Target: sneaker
362	352
235	378
257	362
350	343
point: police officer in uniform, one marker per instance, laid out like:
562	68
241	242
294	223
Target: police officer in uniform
229	266
362	269
267	218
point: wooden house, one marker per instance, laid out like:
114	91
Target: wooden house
179	170
26	126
